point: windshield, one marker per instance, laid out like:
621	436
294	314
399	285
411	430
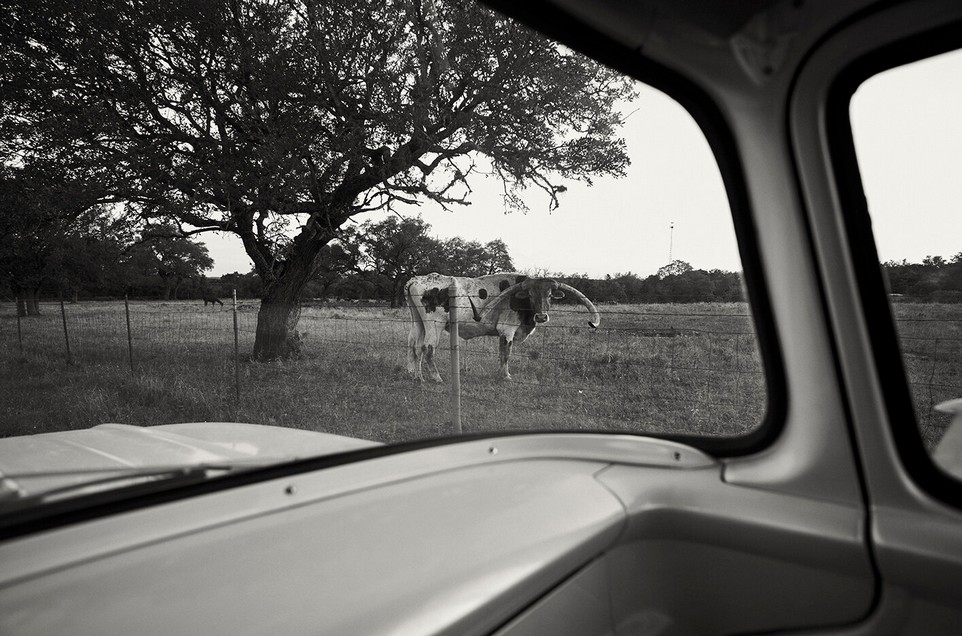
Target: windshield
345	224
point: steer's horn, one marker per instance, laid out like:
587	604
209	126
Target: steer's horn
595	319
503	297
474	311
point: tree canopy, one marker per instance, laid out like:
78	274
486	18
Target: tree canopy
55	231
162	253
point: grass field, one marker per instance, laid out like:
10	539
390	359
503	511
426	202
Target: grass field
649	368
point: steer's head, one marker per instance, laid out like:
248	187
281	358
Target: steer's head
533	298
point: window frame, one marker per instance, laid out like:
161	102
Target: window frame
555	23
873	295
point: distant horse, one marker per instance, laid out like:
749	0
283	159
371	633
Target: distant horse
212	299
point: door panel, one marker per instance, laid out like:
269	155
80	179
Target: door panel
701	556
916	532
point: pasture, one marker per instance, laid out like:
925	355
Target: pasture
690	368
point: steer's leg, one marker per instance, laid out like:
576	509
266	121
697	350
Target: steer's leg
429	362
504	352
428	345
414	354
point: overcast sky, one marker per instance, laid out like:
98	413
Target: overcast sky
909	139
907	124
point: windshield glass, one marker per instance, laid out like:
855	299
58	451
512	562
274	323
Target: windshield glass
358	222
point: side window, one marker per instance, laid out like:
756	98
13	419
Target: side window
907	130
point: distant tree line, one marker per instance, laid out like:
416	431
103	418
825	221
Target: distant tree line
65	241
932	280
685	286
90	254
677	282
374	260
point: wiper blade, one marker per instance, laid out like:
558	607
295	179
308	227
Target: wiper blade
14	496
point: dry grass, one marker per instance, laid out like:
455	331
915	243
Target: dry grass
649	368
931	338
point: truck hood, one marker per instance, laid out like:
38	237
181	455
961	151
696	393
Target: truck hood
50	461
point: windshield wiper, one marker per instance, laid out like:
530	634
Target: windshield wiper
14	496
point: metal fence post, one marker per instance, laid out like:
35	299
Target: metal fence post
66	336
236	352
130	337
455	359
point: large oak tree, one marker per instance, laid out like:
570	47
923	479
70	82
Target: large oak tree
279	120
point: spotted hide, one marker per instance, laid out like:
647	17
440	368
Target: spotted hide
508	305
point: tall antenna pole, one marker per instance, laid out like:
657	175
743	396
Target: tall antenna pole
671	240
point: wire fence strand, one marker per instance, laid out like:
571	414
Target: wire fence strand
647	368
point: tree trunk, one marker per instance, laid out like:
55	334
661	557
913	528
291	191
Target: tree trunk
276	336
397	292
32	301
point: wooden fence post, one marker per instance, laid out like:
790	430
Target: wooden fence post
455	358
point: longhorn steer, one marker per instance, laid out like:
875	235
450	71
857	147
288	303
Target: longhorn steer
509	305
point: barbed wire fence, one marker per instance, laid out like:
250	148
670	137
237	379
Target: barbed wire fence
647	368
930	336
